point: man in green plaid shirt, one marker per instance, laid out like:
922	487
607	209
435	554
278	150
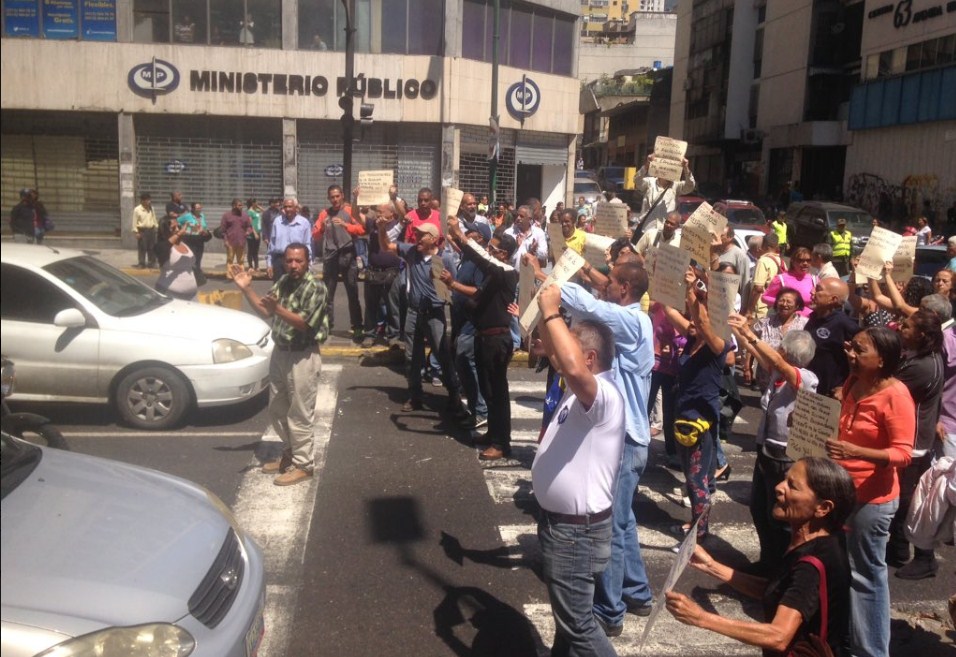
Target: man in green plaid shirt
297	305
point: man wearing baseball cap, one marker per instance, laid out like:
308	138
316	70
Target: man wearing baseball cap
426	313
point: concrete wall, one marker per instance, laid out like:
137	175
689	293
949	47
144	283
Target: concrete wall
880	32
786	52
654	41
737	116
87	76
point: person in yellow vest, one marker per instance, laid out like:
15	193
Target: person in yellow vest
842	242
780	228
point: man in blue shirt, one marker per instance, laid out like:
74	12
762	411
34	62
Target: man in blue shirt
289	228
623	586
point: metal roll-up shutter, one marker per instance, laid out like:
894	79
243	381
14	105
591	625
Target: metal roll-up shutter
544	155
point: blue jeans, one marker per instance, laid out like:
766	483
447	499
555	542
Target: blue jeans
868	531
573	554
468	373
699	463
625	575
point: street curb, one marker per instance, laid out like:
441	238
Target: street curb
345	351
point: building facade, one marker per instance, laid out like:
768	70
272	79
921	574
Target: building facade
242	98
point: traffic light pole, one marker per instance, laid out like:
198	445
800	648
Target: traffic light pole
347	102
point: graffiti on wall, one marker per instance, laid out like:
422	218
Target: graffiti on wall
915	195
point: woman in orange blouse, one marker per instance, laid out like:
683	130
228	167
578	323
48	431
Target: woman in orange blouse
877	426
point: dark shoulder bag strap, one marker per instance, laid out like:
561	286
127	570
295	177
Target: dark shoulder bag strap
824	615
639	228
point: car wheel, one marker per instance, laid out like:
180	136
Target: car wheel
152	398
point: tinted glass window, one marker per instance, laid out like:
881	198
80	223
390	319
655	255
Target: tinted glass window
745	216
473	36
26	297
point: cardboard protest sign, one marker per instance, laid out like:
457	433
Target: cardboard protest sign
556	240
881	246
450	202
526	286
721	294
702	229
595	246
684	553
667	277
440	288
815	419
610	219
904	260
668	162
566	267
373	186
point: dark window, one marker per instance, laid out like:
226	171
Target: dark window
474	35
321	25
543	40
519	39
216	22
26	297
564	44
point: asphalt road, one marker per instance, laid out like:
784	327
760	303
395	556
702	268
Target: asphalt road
406	544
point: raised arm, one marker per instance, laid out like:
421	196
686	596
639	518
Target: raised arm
563	349
768	357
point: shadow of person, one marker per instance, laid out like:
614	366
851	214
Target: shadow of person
499	557
475	623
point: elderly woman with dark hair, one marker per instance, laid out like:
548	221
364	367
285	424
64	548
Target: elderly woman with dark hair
922	373
877	427
772	328
814	500
787	364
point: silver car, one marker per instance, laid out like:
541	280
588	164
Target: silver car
82	331
104	559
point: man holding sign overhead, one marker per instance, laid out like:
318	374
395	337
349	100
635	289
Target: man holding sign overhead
660	194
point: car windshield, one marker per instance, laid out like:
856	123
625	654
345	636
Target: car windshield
746	216
112	291
688	207
855	221
586	187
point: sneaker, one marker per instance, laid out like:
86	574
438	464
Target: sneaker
481	420
279	465
638	608
292	476
436	381
918	568
610	631
357	336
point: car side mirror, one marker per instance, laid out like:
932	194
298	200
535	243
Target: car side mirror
69	318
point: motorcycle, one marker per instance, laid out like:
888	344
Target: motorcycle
27	426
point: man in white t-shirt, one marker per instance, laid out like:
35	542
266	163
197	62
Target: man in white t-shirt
574	475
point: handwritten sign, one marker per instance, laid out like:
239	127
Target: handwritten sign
610	219
566	267
526	287
667	276
668	162
702	230
815	419
881	247
904	260
440	288
450	202
595	246
556	240
373	186
721	293
684	553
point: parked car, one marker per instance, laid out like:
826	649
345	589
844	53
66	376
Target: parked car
930	259
742	215
585	173
104	558
82	331
812	222
589	189
687	204
611	178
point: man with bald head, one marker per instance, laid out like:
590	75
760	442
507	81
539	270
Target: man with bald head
830	327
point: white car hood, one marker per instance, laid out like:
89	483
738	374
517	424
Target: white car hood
192	321
89	543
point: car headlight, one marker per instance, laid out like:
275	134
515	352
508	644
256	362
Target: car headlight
153	640
225	350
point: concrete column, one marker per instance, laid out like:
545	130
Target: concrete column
129	194
290	164
453	28
290	25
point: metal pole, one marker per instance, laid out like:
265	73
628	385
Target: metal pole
495	118
348	101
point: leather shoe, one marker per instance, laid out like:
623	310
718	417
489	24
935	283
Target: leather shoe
493	454
279	465
638	608
292	476
609	630
412	405
723	474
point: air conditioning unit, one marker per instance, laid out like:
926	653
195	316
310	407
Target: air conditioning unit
751	136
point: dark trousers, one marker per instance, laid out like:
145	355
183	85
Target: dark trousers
492	354
898	548
252	251
842	265
343	264
429	322
667	384
774	535
146	247
378	285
